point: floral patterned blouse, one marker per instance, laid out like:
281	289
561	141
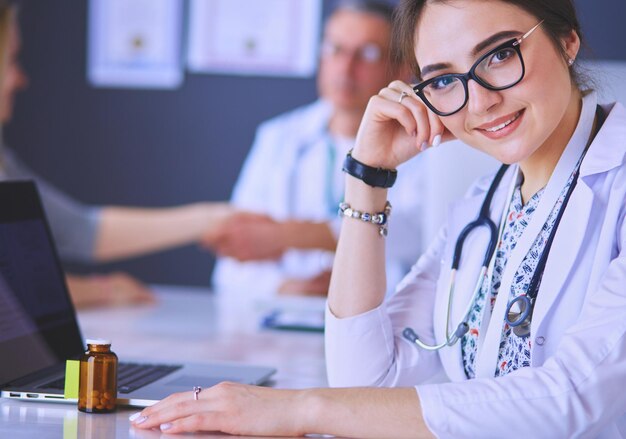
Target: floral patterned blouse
514	351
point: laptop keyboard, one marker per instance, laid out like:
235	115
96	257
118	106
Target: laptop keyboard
130	376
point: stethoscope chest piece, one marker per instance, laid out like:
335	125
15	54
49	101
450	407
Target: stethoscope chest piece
519	311
518	315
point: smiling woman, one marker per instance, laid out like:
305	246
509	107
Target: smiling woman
532	341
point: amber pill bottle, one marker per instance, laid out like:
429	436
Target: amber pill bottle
98	378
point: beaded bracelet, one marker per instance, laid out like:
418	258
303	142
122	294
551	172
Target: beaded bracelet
379	218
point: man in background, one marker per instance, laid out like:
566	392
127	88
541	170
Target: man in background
293	172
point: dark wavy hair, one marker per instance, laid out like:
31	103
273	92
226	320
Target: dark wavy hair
559	19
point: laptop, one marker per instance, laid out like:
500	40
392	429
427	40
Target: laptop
38	326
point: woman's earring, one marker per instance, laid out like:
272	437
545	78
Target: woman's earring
570	61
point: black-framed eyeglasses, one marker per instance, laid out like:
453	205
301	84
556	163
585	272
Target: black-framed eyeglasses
498	69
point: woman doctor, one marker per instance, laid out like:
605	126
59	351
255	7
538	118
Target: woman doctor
533	342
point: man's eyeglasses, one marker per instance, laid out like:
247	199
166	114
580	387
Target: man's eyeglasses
369	53
498	69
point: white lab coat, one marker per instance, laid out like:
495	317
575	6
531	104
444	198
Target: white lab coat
285	177
575	387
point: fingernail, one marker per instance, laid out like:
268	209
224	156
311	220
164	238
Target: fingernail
134	416
424	146
437	140
140	420
166	426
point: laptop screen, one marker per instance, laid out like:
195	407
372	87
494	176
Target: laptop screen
38	326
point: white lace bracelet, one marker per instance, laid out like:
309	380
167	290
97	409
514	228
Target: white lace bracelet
379	218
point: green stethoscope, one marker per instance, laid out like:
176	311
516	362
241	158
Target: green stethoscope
332	199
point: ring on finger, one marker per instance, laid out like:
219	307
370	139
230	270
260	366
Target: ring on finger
196	392
402	96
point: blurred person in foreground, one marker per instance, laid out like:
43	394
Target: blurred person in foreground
89	233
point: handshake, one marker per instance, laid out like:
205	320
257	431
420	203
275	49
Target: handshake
249	236
219	227
245	236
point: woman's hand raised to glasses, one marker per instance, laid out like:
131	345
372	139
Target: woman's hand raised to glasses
397	126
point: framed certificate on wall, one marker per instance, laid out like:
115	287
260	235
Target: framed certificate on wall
135	43
251	37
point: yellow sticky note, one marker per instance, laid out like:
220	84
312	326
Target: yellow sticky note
72	371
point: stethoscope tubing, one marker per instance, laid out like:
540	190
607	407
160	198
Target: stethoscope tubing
483	219
521	323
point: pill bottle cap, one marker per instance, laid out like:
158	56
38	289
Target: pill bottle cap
98	341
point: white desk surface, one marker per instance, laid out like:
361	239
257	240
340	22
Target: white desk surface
186	325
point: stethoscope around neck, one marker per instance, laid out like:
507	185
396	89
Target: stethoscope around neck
519	311
483	220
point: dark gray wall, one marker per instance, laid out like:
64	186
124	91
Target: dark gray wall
158	148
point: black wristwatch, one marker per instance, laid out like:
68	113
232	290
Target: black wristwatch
375	177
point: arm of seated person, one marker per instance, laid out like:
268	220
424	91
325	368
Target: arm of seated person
241	409
248	236
126	232
114	289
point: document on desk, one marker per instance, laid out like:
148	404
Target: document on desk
293	313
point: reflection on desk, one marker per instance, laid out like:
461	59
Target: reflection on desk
186	325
